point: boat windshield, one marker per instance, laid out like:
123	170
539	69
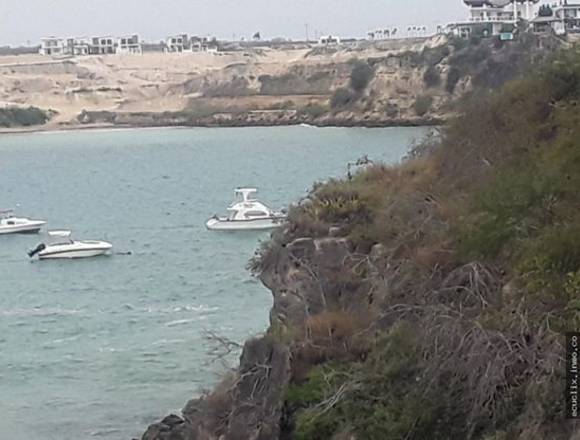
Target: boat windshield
250	214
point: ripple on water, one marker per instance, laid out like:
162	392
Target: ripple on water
42	312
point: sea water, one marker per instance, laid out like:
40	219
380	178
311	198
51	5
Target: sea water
100	348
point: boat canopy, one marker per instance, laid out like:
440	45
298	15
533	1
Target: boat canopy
246	193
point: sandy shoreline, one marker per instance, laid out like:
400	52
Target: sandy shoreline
314	124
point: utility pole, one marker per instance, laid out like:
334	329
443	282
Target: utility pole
307	37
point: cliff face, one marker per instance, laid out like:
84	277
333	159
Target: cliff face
445	284
304	277
247	407
398	82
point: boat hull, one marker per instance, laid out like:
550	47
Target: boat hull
243	225
70	252
30	228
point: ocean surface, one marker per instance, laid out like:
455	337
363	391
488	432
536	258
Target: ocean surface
100	348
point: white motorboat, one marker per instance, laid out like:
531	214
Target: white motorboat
9	224
61	246
247	214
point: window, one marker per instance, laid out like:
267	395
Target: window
251	214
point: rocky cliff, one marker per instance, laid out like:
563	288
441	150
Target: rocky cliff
304	277
395	82
426	300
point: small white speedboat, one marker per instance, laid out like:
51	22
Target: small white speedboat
9	224
247	214
61	246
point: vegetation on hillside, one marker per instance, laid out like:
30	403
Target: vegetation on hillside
470	251
360	77
22	117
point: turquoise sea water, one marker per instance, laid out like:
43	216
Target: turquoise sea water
99	348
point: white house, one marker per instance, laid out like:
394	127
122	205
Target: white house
177	43
102	45
129	44
198	44
561	18
567	16
53	46
492	17
78	46
329	40
203	44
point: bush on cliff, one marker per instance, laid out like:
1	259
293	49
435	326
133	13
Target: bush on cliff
22	117
471	253
314	110
342	98
453	77
432	77
360	76
422	105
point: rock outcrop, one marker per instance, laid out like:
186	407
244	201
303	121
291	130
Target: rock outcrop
249	407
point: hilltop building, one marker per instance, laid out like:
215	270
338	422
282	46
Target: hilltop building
78	46
203	44
102	45
329	40
56	46
129	44
561	18
53	46
177	43
494	17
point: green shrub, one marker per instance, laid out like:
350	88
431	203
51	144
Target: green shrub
314	110
22	117
432	77
423	104
551	261
453	77
377	400
361	76
342	98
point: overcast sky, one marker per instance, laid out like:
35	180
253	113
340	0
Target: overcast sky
23	21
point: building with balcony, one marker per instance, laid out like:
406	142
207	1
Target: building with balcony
53	46
102	45
129	44
177	43
78	46
493	17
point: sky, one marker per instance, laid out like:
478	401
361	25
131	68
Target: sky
26	21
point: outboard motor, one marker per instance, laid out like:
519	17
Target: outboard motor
38	249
